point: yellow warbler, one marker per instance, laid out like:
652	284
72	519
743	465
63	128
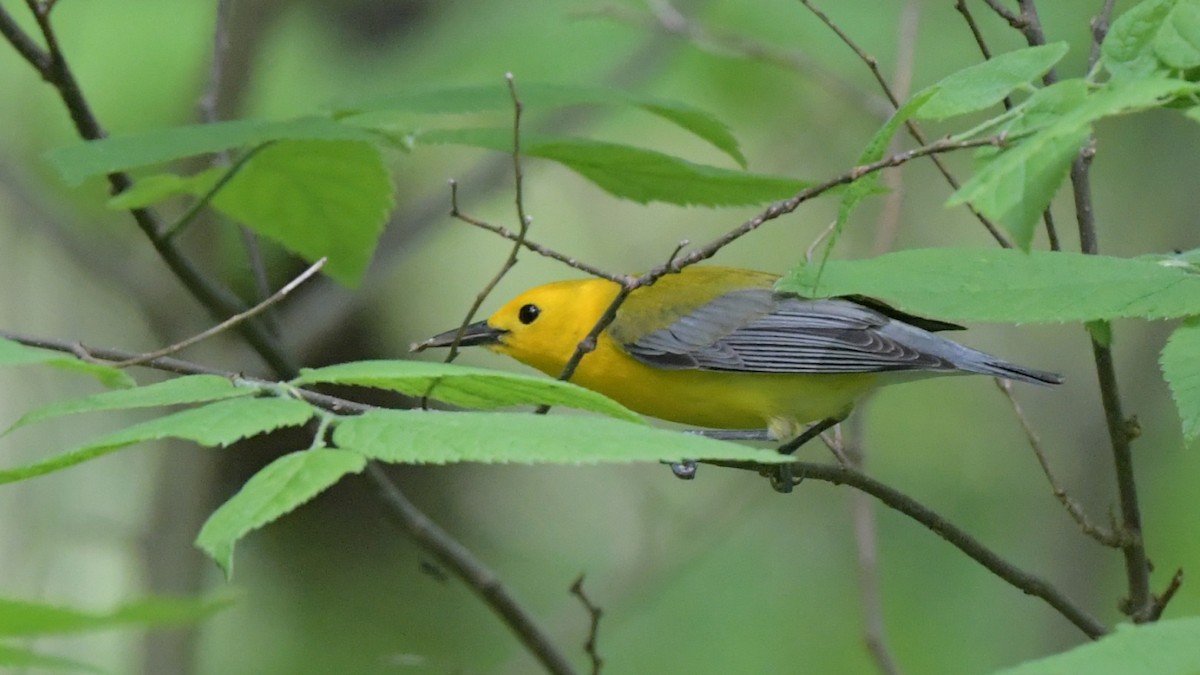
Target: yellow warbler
717	347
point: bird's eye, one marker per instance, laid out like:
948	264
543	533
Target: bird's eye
528	314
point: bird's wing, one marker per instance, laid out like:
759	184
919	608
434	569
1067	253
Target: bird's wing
758	331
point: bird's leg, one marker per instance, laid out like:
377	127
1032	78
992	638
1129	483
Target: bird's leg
686	470
782	480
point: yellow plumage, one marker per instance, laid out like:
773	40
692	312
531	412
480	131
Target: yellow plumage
716	347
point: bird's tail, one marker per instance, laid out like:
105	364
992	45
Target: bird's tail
1011	371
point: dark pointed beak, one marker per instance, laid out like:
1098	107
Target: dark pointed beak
478	333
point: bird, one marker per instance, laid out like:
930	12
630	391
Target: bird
719	348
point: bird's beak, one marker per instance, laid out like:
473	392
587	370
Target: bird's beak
478	333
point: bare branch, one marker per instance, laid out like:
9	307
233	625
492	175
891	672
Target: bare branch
228	323
1114	539
1015	20
594	614
1099	26
1161	601
537	248
961	6
523	221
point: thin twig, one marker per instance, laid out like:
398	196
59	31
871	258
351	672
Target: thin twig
915	131
523	221
529	244
961	6
1115	539
1099	26
1029	584
588	344
594	614
1161	601
210	112
180	367
227	323
1015	20
26	47
906	46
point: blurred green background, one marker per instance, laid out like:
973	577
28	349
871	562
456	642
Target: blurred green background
717	575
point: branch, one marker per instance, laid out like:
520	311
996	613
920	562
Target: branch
522	220
228	323
529	244
482	580
1105	537
1029	584
594	614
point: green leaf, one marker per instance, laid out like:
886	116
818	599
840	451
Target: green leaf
219	423
632	173
17	354
1010	286
1128	49
315	198
1023	189
175	391
420	437
468	387
277	489
21	618
985	84
1180	361
1016	184
23	659
119	153
540	96
1046	105
1169	647
1177	43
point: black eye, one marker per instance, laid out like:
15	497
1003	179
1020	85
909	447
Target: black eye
528	314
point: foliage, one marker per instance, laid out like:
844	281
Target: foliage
322	185
22	620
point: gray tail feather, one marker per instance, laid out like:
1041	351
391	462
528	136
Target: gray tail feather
1011	371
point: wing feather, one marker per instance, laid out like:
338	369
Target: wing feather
755	330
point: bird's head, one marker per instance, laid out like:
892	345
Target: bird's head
540	327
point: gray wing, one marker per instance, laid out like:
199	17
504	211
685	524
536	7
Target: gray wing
757	331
